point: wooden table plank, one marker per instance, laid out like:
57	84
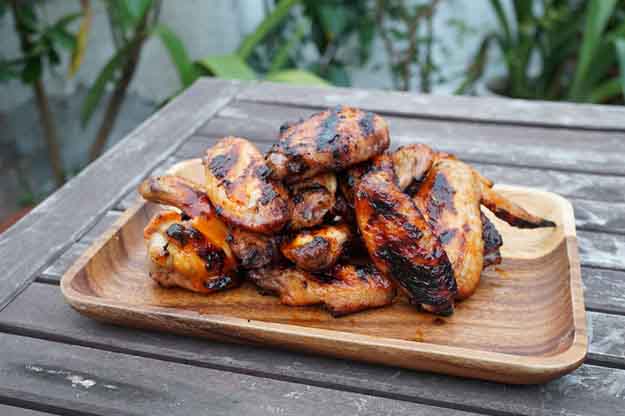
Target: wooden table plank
568	149
58	222
602	250
591	390
503	110
20	411
71	378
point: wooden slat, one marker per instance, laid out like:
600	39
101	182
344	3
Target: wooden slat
602	250
455	107
31	243
103	224
576	150
607	339
20	411
591	390
55	270
604	290
68	378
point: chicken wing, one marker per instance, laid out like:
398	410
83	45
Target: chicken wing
319	249
350	178
511	212
181	255
449	199
400	242
311	200
411	163
328	141
253	250
348	288
187	249
237	183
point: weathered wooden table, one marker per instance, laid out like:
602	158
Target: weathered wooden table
54	361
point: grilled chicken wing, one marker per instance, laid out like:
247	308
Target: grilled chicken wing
347	289
400	242
510	212
449	199
253	250
237	184
492	242
189	249
311	200
411	163
350	178
330	140
319	249
181	255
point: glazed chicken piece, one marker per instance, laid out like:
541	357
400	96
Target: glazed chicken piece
312	199
331	140
238	185
253	250
449	199
318	249
412	162
187	249
346	289
400	242
350	178
492	242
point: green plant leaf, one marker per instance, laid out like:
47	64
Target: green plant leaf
106	75
619	45
297	76
282	55
603	92
266	26
227	66
137	8
66	20
78	53
62	37
32	70
598	13
503	20
177	54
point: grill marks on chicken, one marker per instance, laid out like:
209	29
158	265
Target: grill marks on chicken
345	289
182	255
238	184
416	214
253	250
400	242
327	141
319	249
449	199
312	199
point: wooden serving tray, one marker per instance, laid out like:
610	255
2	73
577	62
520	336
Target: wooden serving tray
525	324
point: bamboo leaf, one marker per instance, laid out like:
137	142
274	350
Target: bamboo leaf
619	44
227	66
82	37
597	15
266	26
503	20
297	76
97	90
177	54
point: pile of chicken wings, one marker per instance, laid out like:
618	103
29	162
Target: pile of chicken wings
329	216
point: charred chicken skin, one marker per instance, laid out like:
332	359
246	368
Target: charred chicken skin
400	241
345	289
319	249
238	185
312	199
449	199
331	140
187	249
326	197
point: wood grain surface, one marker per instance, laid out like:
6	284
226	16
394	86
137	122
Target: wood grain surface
525	324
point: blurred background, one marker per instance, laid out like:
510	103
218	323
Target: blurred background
78	75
